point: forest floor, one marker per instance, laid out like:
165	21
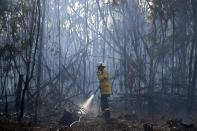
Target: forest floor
59	119
116	123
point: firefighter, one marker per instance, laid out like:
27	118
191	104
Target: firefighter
105	89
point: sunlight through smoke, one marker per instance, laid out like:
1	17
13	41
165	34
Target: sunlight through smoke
85	106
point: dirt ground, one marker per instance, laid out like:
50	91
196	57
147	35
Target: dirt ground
120	121
87	123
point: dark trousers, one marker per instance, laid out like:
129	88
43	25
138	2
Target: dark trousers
105	106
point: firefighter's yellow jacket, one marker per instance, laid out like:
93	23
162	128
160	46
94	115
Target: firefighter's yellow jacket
105	85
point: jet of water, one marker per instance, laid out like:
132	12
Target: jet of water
85	105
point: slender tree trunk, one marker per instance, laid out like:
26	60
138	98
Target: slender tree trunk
18	92
6	97
192	84
59	41
173	52
40	64
31	53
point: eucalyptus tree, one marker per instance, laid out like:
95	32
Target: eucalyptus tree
20	35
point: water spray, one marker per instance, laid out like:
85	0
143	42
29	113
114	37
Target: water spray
86	104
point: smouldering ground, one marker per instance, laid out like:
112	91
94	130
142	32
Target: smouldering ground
126	123
118	122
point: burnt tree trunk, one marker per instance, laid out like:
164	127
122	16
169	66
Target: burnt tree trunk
18	92
192	82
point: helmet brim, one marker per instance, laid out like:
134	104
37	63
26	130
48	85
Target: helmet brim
101	66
